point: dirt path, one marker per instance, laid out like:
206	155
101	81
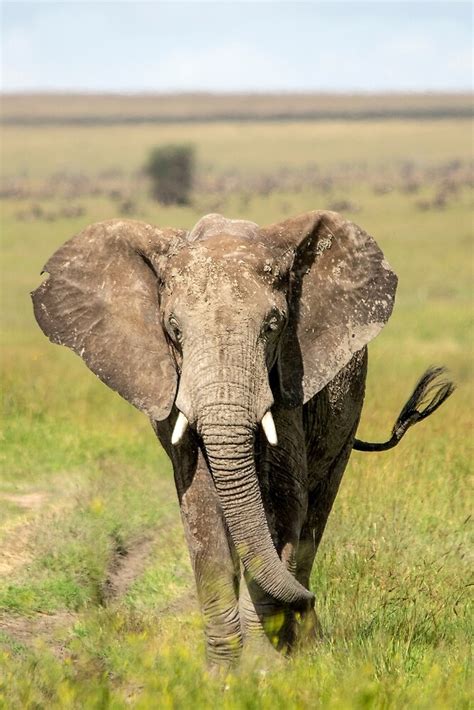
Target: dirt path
125	567
128	565
47	627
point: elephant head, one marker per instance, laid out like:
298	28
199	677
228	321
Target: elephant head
221	322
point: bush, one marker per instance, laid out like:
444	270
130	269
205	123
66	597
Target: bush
171	169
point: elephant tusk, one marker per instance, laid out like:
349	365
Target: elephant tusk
179	428
269	428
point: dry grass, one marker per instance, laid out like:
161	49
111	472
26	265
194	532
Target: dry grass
30	109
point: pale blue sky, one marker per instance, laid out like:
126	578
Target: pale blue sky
232	46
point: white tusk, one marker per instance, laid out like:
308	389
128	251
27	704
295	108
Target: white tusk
269	428
179	428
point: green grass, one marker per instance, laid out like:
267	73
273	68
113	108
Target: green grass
391	577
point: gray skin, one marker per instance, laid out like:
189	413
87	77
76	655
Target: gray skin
225	323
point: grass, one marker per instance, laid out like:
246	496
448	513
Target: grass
232	145
31	109
87	497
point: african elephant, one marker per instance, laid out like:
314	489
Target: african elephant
246	348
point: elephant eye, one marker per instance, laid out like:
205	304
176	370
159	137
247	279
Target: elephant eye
273	322
175	329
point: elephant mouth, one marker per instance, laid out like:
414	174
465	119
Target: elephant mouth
267	422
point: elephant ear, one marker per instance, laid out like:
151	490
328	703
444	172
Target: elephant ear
101	300
342	294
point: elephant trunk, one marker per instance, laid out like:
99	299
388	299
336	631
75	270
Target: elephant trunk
224	392
233	470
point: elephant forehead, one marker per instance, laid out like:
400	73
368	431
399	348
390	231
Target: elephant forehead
229	248
221	260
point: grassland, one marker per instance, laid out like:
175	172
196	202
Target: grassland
31	109
96	595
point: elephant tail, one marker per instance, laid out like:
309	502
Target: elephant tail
430	392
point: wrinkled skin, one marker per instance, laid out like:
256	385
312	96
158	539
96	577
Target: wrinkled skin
224	324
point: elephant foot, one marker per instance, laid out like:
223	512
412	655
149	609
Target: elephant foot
307	631
220	670
260	656
223	654
223	637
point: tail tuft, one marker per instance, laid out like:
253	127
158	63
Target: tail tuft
430	392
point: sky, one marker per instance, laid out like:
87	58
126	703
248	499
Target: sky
236	46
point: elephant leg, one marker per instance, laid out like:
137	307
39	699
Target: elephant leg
214	560
264	618
331	421
308	629
267	625
322	498
216	567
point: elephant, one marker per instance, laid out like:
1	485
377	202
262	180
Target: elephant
246	347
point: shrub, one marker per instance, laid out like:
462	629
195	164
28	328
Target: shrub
171	170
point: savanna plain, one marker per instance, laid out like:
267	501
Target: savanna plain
97	604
